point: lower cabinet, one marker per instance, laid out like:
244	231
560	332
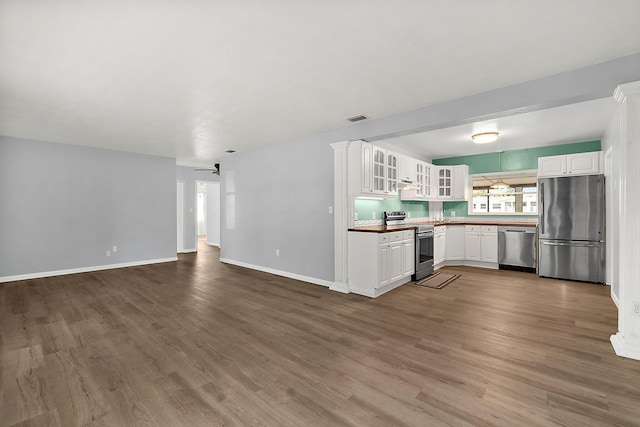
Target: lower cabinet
489	243
481	245
439	246
409	247
379	262
455	244
472	245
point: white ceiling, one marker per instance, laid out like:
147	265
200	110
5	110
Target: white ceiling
193	79
585	121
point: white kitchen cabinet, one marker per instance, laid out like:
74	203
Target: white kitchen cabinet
439	246
409	248
481	245
472	243
552	166
489	244
396	261
383	266
455	244
407	168
420	181
366	169
450	182
428	179
570	164
460	182
584	163
379	167
444	181
392	176
378	261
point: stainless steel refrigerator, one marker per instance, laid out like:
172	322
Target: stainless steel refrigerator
571	234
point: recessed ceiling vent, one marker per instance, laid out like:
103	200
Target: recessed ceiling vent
230	151
357	118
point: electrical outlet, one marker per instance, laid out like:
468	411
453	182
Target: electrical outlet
408	214
452	214
277	252
355	216
636	308
373	215
330	210
114	249
108	253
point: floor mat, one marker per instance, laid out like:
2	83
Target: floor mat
438	280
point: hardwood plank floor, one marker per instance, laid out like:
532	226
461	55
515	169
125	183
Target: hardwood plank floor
198	342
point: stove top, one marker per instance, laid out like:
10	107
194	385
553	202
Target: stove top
394	218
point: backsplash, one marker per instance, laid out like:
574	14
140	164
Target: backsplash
372	210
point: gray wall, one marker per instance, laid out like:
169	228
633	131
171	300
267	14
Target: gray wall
212	212
63	206
282	196
189	176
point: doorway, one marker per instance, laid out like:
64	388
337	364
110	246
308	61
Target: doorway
208	212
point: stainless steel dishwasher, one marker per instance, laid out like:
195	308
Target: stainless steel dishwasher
517	248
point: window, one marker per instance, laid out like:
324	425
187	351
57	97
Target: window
521	197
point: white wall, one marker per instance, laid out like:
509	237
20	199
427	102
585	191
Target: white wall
611	141
64	206
212	202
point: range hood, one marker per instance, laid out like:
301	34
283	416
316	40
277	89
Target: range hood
407	184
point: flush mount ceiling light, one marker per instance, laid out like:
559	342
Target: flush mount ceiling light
485	137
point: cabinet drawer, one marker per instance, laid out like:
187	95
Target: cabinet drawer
472	228
383	238
395	236
408	234
489	229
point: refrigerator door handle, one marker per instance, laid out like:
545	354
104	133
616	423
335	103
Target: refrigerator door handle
541	206
581	245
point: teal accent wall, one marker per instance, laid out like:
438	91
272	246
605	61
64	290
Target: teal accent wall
365	208
512	160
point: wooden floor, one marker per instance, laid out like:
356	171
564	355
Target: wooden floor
198	342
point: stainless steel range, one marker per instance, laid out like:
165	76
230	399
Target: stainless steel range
424	243
424	252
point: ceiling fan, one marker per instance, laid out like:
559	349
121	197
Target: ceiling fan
215	170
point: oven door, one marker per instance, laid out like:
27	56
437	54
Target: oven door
424	254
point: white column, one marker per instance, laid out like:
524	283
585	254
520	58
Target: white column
340	215
627	341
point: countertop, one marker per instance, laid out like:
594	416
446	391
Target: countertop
413	225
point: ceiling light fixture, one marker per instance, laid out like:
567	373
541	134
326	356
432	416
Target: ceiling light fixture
485	137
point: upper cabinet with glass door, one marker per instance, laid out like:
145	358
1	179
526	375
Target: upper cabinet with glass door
392	173
445	181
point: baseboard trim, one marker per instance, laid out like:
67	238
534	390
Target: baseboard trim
84	269
622	347
340	287
217	245
614	297
188	251
282	273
